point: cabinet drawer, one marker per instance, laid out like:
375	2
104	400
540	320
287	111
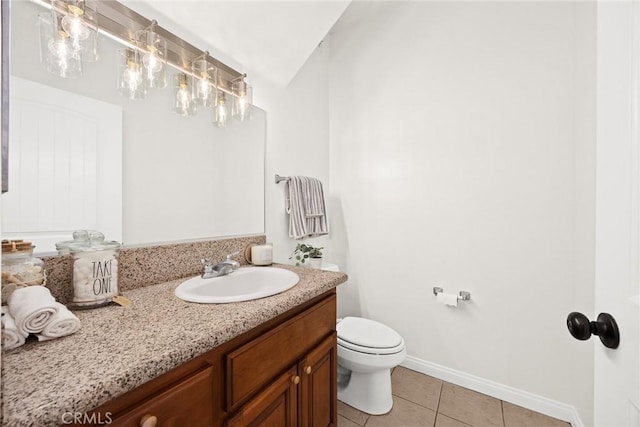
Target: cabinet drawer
187	403
256	363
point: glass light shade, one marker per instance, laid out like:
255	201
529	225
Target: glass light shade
205	76
221	111
88	22
131	82
154	58
183	100
242	100
73	21
57	52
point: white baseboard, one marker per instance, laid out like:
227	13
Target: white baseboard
518	397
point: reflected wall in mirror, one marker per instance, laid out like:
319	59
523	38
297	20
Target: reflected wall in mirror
182	177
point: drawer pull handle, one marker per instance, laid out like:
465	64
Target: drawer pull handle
148	421
295	379
307	370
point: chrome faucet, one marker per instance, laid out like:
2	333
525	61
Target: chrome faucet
223	268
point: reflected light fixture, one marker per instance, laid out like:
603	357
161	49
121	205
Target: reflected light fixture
221	111
242	100
80	22
69	37
73	22
57	52
184	103
205	75
131	81
155	55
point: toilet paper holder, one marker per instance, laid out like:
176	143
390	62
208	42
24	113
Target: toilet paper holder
462	295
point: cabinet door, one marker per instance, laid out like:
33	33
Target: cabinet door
275	406
255	364
188	403
318	402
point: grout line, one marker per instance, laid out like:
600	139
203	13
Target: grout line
439	397
504	423
354	421
435	419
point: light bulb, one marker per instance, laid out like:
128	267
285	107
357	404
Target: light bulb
242	100
221	112
243	106
204	88
152	62
61	48
221	115
132	76
75	27
183	97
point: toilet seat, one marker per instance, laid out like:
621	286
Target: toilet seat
371	350
368	336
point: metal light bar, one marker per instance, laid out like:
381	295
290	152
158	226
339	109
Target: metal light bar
120	22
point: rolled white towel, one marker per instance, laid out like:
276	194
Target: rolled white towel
11	338
63	323
32	308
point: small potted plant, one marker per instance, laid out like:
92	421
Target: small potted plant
303	253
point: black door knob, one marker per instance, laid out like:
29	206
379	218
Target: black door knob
604	327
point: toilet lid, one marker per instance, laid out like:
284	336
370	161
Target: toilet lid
366	333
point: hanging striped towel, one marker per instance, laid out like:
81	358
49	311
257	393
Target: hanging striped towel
304	202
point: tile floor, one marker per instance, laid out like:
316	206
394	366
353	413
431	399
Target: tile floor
421	400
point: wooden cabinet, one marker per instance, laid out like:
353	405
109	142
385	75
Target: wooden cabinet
305	395
282	373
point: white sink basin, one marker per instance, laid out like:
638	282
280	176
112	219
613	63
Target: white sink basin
244	284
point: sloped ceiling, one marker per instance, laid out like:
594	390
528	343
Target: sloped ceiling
270	39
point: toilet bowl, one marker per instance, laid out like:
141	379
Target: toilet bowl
367	350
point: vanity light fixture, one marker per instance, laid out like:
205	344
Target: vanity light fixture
57	52
221	111
205	75
69	35
242	100
155	55
131	81
80	22
183	101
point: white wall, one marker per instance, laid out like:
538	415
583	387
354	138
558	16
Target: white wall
297	144
462	150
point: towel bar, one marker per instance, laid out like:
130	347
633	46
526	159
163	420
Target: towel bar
462	295
281	178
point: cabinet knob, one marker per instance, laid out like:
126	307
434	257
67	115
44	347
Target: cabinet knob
295	379
148	420
307	370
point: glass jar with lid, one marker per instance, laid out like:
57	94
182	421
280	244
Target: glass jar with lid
95	268
19	267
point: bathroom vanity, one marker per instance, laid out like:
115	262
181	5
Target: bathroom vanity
280	373
166	362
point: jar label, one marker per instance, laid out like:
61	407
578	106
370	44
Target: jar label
102	275
95	276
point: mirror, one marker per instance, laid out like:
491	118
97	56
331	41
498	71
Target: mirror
182	177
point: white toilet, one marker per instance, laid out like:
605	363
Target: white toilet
367	350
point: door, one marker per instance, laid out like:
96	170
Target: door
275	406
319	394
65	166
617	371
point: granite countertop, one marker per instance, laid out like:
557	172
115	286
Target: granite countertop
118	349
